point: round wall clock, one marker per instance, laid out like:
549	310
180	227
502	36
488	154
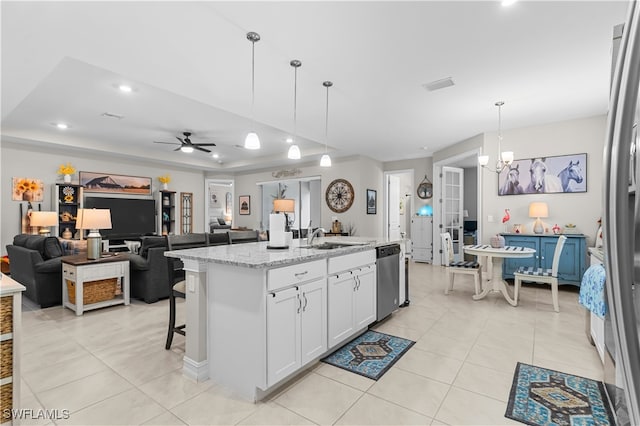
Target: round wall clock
425	189
339	195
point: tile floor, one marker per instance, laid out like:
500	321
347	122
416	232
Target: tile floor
110	367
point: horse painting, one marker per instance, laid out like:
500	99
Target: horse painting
572	172
512	183
547	175
541	182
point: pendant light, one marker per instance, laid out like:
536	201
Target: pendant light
294	150
505	158
252	141
325	161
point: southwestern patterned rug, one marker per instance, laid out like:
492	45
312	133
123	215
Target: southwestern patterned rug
547	397
370	354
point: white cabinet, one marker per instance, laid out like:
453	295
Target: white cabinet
422	238
352	302
296	326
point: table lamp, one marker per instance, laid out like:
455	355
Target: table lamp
94	220
538	210
284	205
44	220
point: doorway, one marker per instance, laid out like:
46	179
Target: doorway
398	190
219	202
468	210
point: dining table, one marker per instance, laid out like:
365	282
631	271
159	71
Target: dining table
494	259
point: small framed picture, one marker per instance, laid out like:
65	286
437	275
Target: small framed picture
371	201
245	204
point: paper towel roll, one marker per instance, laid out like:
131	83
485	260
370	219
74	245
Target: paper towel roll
277	236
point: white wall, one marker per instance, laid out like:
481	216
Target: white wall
562	138
42	163
363	173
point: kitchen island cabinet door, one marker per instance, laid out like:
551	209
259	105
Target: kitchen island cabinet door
341	294
283	334
365	297
313	320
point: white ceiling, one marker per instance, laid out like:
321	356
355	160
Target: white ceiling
190	66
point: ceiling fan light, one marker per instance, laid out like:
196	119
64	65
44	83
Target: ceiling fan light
294	152
186	149
252	141
325	161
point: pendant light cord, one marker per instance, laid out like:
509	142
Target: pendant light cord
253	82
326	122
295	103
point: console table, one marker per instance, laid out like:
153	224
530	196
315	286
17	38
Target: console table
82	271
572	261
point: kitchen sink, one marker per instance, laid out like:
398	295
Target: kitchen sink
327	245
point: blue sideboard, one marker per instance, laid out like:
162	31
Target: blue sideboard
572	260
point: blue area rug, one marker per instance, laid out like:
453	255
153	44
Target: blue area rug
370	354
547	397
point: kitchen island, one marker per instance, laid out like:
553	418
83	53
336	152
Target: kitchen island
256	316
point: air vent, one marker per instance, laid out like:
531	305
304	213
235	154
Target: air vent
439	84
113	115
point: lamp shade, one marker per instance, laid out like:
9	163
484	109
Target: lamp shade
44	219
284	205
538	209
93	219
252	141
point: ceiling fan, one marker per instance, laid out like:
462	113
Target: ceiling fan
186	145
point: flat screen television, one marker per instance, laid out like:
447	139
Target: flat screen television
130	217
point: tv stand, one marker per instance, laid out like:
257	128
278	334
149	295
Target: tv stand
120	244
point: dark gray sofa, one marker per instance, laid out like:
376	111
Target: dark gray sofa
36	264
148	272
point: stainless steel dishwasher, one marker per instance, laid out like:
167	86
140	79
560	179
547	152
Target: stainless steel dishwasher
388	279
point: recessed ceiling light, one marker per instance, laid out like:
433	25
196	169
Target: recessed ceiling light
426	148
215	156
62	126
289	140
508	2
124	88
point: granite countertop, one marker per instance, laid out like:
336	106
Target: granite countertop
257	255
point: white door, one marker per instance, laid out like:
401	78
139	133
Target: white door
393	208
452	192
341	293
313	319
283	334
365	297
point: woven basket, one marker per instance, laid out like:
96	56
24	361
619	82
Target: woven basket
93	291
6	358
6	402
6	314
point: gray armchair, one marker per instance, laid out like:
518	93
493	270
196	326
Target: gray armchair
36	263
148	270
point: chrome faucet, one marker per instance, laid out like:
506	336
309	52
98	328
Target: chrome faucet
313	235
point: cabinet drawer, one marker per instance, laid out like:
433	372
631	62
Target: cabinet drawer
350	261
295	274
95	272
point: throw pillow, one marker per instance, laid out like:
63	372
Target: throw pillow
221	221
52	248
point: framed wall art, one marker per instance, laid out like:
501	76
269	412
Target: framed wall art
115	184
244	203
372	201
545	175
27	189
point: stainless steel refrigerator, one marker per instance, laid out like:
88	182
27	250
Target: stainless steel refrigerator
621	223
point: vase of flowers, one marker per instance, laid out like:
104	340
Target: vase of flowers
66	170
164	180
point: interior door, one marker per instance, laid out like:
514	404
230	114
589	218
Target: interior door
393	208
452	202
